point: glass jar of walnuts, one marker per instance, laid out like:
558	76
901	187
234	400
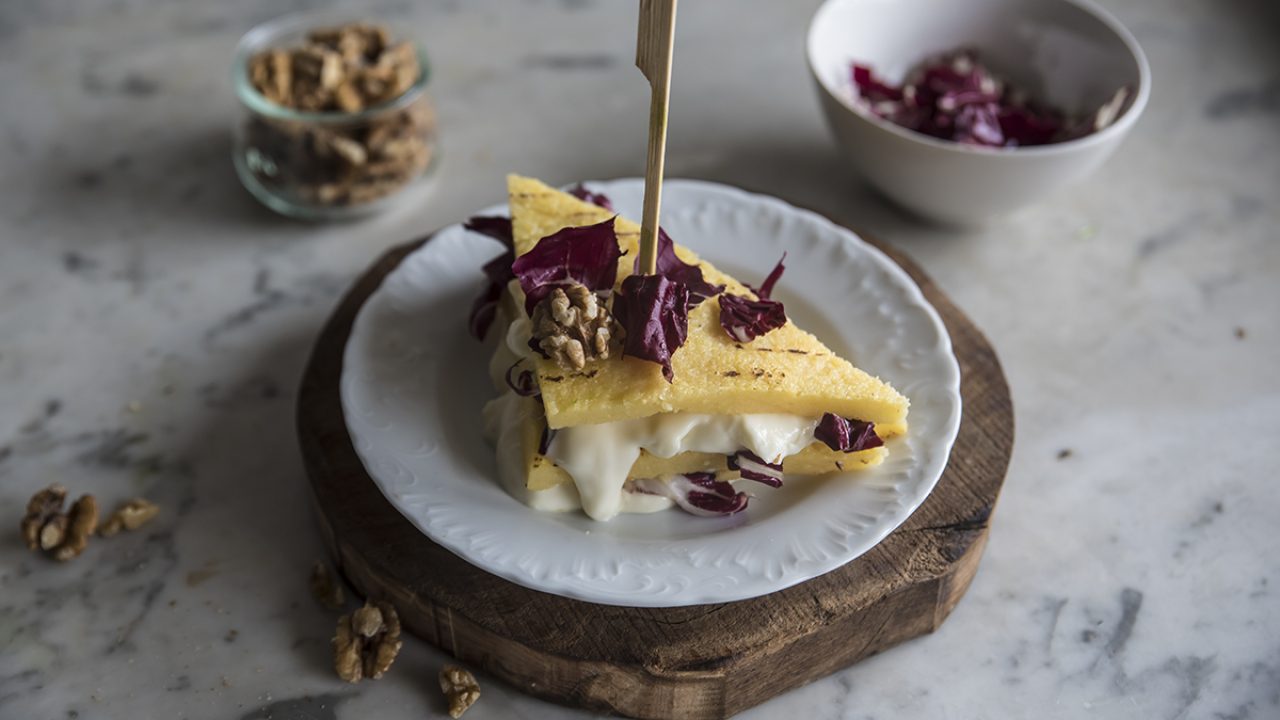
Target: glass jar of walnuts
336	120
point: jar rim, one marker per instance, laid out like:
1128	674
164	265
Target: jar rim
262	37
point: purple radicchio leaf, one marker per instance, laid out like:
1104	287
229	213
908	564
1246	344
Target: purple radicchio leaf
844	435
753	467
483	310
670	266
581	192
544	443
744	319
872	88
522	383
1023	126
587	255
696	493
954	97
654	313
495	226
766	288
498	270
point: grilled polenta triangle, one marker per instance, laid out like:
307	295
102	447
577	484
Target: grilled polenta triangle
784	371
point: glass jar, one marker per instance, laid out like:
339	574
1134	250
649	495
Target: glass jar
327	164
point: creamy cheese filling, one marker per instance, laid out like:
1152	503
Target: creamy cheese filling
504	416
599	457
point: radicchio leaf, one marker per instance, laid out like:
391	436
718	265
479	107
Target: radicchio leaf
581	192
697	493
766	288
670	266
846	435
744	319
498	270
871	87
954	97
654	313
753	467
495	226
522	383
483	311
544	443
587	255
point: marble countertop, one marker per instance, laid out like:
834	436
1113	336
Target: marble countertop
154	322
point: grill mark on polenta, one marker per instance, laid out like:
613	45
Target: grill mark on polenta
553	378
732	373
797	351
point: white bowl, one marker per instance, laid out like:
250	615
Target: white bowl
1069	53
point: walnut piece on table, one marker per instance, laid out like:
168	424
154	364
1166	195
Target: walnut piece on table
81	522
324	588
45	524
366	642
62	535
460	688
130	515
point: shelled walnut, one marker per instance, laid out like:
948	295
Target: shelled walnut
366	642
130	515
62	535
346	152
460	689
572	327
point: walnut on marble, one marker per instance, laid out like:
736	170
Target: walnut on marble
82	520
460	689
61	535
130	515
366	642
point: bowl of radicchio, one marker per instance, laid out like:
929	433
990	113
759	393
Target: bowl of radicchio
959	110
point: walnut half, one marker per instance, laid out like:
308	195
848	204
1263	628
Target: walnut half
81	522
130	515
460	689
63	535
366	642
572	327
44	525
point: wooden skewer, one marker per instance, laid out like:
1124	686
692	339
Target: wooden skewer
654	44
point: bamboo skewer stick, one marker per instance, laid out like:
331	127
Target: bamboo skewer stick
654	43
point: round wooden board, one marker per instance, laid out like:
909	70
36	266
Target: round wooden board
705	661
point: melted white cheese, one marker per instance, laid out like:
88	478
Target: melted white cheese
598	457
503	418
511	348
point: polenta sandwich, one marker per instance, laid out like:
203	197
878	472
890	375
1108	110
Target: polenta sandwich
624	392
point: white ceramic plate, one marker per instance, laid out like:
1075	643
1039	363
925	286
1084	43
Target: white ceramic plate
414	383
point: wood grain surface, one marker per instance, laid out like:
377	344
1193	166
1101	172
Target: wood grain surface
705	661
